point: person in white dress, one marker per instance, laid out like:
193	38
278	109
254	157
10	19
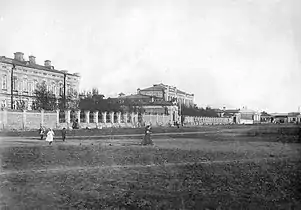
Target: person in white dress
49	137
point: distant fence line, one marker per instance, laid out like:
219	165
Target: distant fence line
28	120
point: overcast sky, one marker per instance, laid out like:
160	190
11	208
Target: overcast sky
231	53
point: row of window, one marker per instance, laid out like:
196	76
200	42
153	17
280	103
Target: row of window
30	86
4	104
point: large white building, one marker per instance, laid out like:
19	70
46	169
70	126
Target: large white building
168	93
22	76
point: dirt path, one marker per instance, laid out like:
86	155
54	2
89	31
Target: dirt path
113	135
76	168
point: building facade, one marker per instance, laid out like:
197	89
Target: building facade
152	105
168	93
23	77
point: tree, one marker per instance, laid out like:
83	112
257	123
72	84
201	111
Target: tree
71	102
199	112
94	101
44	99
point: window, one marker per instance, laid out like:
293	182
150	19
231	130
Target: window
3	104
52	89
61	89
30	87
25	85
68	89
20	83
35	84
15	83
4	82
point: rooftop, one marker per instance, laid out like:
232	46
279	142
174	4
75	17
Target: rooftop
161	86
15	62
154	88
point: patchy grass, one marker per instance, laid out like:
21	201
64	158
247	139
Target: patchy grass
268	185
83	184
40	157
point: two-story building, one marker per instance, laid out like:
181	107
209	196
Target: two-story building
19	78
168	93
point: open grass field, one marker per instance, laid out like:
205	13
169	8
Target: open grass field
221	167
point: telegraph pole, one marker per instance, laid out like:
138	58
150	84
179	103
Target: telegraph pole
64	91
12	87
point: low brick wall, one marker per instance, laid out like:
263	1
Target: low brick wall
26	120
15	120
31	120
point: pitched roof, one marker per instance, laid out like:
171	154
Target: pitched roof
3	59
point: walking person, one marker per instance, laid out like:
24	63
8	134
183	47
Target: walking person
49	137
64	132
147	136
41	132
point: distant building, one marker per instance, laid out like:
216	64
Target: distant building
240	116
248	116
230	113
168	93
150	104
26	75
279	117
292	117
265	118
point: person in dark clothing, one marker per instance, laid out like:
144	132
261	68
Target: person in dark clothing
42	132
147	136
64	132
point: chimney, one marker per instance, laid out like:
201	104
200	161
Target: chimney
32	59
47	63
19	56
138	91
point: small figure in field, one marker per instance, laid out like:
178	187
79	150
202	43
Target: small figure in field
41	132
64	132
147	137
49	137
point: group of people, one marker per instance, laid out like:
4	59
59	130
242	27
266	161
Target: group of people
50	134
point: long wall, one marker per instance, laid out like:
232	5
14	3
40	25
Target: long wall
29	120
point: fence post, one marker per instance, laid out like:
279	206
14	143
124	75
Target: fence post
95	115
112	117
42	117
87	116
119	117
57	118
67	117
24	119
104	117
